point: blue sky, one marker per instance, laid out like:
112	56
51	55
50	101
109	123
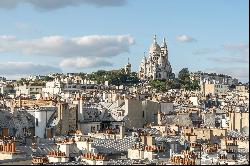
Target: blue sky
83	35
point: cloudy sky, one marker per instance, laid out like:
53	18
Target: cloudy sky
46	36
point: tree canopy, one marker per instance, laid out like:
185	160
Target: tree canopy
185	81
114	77
184	76
159	85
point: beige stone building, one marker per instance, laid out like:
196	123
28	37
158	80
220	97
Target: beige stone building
66	118
241	88
238	120
205	133
133	109
213	89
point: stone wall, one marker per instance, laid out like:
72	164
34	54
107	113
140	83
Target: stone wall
133	108
72	117
17	123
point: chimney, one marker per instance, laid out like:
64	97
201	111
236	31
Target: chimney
13	145
122	131
8	148
80	109
159	115
20	102
150	140
143	139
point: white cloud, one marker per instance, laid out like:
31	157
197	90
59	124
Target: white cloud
231	53
185	38
7	37
236	46
78	52
235	53
25	68
230	59
84	62
205	51
86	46
46	5
239	51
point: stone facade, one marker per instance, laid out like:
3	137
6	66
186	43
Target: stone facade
157	66
66	118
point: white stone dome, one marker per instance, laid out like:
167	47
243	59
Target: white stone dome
155	48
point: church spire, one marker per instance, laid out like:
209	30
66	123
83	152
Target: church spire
164	42
155	39
128	62
144	59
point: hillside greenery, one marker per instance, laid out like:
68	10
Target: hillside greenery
183	81
114	77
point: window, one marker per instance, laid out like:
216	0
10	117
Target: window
36	122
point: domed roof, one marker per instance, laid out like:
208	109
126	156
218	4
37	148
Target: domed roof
155	47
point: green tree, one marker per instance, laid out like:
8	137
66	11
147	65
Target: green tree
115	77
173	84
195	85
184	76
48	78
158	85
185	81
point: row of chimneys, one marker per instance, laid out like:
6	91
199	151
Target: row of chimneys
234	143
9	147
48	98
238	138
182	161
188	154
212	148
154	148
222	156
75	131
85	139
231	151
66	140
195	144
39	160
94	157
57	154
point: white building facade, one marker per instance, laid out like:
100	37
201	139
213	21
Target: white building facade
157	66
